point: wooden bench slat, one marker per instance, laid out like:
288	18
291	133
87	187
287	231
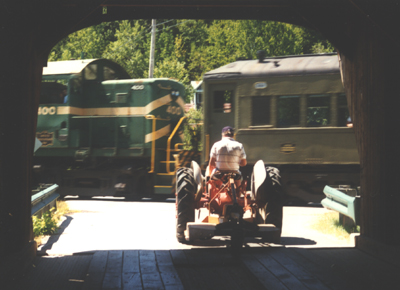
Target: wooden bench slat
298	270
131	261
265	277
148	262
93	281
163	258
131	281
99	262
178	257
280	272
318	267
152	281
112	280
170	278
114	262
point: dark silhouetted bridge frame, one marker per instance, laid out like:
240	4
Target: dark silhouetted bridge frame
365	33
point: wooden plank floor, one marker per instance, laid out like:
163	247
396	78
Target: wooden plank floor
207	268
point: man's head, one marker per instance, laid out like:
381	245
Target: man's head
228	131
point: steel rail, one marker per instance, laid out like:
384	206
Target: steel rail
43	198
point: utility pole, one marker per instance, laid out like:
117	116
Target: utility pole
152	47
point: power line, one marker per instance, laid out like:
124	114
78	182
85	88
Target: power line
174	25
165	22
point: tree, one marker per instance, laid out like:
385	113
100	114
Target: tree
131	48
186	49
86	43
322	47
229	40
172	68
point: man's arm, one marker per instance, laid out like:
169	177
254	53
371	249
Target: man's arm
211	165
242	162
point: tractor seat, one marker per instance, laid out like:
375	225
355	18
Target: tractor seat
222	174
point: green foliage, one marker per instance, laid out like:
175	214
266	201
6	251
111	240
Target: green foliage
328	223
192	130
230	40
86	43
131	48
46	225
186	49
172	68
321	47
348	228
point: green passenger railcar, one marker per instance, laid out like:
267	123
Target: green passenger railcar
289	111
103	133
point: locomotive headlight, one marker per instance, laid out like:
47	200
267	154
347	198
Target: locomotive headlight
175	93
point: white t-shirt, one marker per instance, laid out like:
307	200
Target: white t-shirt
228	153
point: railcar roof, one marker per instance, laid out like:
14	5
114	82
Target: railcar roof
143	81
67	67
278	66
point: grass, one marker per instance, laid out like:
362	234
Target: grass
62	209
49	222
329	224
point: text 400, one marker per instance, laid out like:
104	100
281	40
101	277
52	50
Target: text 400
47	110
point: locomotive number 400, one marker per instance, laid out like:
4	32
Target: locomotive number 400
47	110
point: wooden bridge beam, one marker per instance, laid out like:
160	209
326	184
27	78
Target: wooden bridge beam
371	83
370	68
20	78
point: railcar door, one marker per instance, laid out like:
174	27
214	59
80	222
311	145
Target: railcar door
221	113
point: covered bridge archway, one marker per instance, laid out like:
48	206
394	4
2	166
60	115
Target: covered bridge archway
365	34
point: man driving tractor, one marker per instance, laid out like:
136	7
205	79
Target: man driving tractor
226	154
224	206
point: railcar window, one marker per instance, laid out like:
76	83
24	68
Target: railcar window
342	111
261	108
109	74
318	110
198	99
90	72
223	101
288	111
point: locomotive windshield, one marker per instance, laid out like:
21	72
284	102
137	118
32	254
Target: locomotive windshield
55	89
64	80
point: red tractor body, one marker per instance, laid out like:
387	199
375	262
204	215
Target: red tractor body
223	207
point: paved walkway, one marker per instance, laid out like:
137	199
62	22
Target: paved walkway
147	225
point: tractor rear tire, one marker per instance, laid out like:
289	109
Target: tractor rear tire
272	195
185	192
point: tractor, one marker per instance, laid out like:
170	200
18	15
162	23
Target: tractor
220	205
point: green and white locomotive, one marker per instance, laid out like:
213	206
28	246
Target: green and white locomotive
103	133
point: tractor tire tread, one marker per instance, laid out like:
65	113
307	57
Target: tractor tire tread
185	190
